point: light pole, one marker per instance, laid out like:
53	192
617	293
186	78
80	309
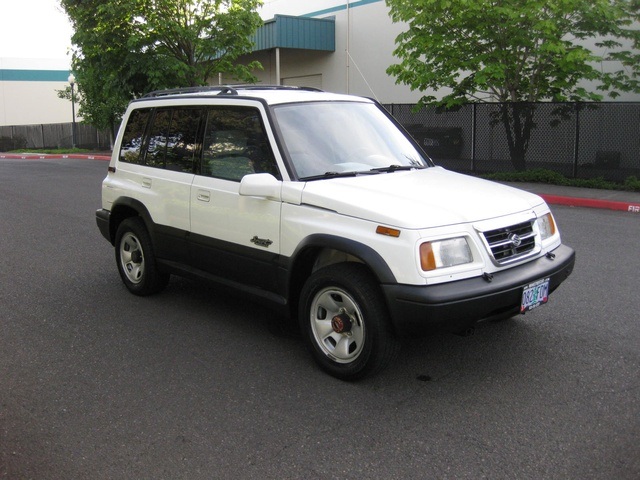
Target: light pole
72	82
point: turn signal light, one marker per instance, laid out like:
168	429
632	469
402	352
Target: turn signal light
389	232
427	257
547	226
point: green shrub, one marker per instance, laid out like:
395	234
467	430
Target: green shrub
632	183
554	178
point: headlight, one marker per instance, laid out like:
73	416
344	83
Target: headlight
547	226
445	253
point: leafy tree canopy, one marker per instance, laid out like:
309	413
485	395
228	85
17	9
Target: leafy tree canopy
125	48
516	50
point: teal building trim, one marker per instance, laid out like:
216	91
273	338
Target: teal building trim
285	31
339	8
304	32
34	75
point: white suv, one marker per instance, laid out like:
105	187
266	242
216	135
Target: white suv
322	205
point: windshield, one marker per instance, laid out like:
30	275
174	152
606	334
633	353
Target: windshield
340	138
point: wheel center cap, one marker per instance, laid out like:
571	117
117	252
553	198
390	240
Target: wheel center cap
341	323
136	256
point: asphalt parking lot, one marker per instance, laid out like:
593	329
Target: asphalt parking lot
193	383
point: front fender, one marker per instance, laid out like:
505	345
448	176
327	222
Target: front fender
363	252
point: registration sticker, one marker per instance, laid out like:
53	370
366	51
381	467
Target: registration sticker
534	295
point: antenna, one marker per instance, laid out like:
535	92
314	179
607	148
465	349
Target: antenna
363	77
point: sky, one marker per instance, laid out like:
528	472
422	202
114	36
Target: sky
38	29
34	29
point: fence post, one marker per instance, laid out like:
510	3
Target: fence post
576	146
473	137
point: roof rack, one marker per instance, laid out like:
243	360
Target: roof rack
276	87
221	89
224	89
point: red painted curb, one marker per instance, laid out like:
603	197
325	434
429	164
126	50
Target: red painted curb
44	156
592	203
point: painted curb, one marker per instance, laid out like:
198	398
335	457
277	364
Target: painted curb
43	156
591	203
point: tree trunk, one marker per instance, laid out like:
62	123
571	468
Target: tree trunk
517	119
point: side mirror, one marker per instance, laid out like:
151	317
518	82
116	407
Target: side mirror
261	185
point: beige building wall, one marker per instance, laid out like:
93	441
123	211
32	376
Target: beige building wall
364	36
365	41
27	103
28	91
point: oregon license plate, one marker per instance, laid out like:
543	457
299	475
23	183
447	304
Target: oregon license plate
534	295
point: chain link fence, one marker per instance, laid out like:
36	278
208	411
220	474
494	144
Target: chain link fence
578	140
54	135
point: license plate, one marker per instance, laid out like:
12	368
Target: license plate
534	295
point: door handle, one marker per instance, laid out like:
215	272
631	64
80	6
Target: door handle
203	196
146	182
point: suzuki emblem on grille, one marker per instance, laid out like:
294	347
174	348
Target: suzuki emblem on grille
515	239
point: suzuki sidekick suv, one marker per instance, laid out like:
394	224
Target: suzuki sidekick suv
322	205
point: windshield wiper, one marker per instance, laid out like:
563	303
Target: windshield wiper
395	168
337	175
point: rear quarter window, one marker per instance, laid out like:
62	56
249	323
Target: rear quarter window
164	138
133	137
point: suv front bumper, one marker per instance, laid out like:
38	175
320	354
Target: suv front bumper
457	306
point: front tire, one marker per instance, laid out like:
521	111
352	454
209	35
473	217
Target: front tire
135	259
344	322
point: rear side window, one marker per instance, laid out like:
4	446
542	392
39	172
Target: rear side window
158	139
173	139
133	137
235	144
182	140
162	138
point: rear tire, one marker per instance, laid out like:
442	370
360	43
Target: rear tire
344	322
135	259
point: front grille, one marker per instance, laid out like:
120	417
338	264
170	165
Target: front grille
509	244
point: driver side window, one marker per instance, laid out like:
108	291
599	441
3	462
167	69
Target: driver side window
235	144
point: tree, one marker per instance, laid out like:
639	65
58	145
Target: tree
200	38
107	73
516	52
125	48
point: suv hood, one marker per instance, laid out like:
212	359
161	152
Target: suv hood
418	199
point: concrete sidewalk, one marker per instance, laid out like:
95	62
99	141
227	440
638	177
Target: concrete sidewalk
553	194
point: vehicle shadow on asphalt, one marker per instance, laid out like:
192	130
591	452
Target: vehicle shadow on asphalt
505	348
